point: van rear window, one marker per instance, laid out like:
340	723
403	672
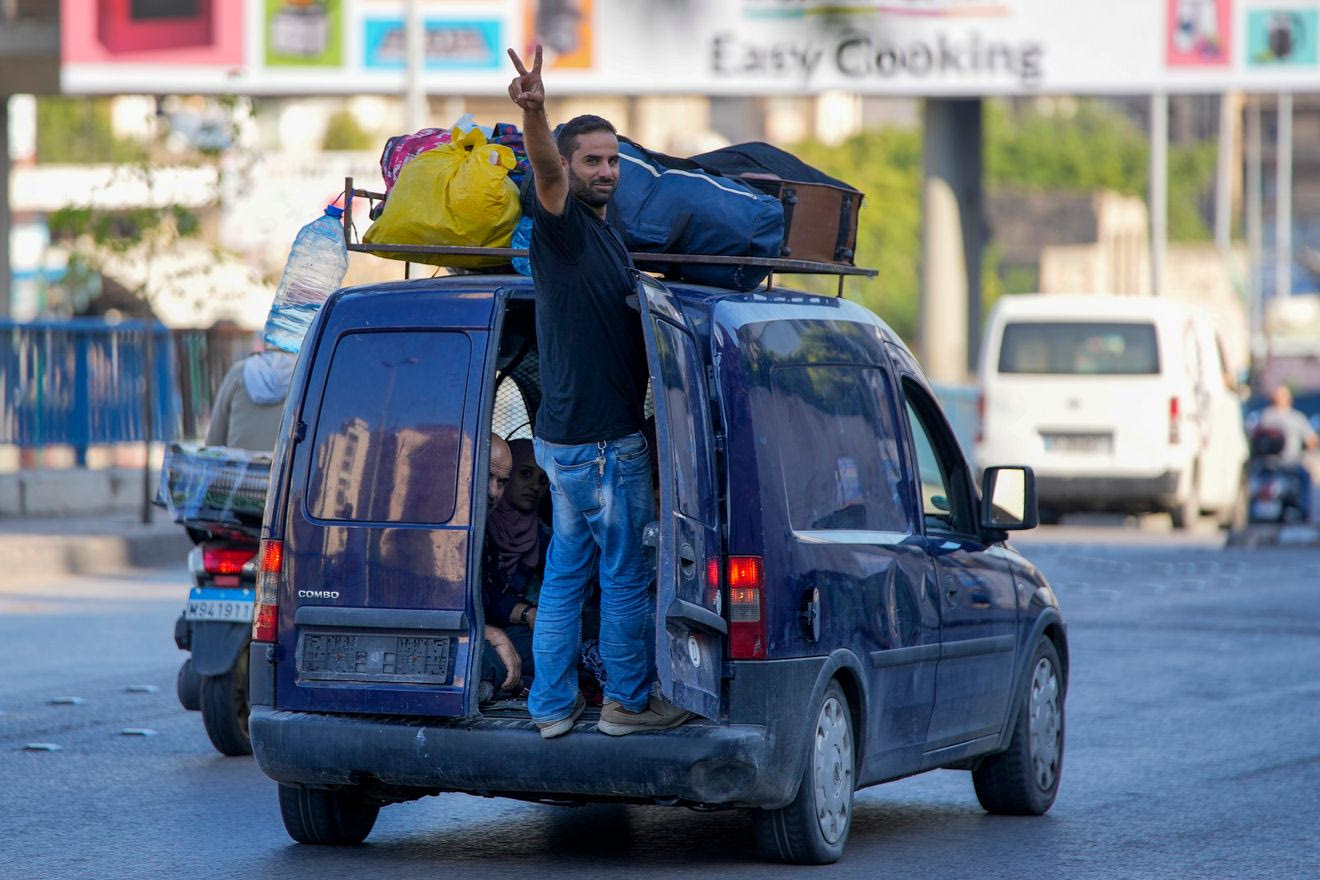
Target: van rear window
1079	348
389	430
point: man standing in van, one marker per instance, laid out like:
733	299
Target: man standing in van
589	435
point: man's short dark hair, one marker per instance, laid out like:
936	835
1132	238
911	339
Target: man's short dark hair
569	132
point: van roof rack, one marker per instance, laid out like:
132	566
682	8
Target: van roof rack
774	264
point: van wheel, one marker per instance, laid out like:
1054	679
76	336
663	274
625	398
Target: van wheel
1234	517
1187	512
225	709
813	829
1024	779
188	686
335	817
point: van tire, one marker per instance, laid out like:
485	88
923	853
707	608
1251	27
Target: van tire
798	833
188	686
1234	517
1023	780
334	817
1186	513
225	709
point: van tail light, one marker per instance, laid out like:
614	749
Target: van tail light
713	596
746	608
225	560
980	417
1173	420
266	615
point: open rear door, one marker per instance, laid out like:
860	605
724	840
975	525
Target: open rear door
690	630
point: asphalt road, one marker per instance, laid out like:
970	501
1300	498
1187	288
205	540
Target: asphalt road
1192	749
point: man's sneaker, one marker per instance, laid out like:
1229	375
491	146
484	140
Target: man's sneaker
552	729
656	715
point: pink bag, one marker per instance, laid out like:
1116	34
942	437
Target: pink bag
402	147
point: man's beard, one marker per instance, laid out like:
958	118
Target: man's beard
582	189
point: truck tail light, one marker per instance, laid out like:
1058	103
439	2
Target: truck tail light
266	616
225	560
1173	420
746	608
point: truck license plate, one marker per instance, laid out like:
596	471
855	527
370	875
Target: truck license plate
224	606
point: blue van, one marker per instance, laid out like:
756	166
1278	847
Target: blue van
835	599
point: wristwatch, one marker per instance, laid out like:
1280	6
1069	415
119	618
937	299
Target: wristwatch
527	609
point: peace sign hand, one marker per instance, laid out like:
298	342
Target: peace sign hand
526	90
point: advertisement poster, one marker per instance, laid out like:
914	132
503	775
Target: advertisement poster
564	29
1199	33
475	44
189	32
1281	36
304	33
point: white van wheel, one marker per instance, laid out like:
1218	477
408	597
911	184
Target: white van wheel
813	829
1187	512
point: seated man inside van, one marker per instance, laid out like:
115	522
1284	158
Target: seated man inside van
501	665
514	553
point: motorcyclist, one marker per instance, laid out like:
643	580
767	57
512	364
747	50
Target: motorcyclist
1298	437
250	403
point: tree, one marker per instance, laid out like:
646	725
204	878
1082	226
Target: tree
100	239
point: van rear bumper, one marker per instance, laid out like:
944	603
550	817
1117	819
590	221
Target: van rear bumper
700	762
1103	492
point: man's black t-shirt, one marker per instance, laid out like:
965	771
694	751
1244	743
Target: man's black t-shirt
592	355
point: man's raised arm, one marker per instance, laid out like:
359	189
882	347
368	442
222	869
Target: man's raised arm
528	92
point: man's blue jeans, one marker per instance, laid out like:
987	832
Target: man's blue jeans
602	498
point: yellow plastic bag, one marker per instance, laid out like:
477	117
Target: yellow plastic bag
456	194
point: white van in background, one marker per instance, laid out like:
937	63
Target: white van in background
1119	403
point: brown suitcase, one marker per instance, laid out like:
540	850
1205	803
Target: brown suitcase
820	220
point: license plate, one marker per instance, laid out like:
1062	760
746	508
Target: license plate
1085	443
337	656
224	606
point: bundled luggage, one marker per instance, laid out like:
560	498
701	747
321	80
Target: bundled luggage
202	486
456	194
820	212
666	205
751	200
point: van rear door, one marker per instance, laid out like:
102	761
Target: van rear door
690	630
376	612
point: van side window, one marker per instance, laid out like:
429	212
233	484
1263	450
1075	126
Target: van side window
833	430
945	504
386	447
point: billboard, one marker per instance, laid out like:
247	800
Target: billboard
733	47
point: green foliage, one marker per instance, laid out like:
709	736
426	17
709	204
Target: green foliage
1096	147
886	165
78	131
1092	148
342	132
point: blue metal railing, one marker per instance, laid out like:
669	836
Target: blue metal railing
82	381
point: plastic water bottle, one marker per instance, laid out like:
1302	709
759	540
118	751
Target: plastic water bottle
317	263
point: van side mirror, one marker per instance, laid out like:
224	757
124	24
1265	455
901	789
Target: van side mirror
1008	498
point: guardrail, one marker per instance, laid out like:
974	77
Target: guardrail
83	381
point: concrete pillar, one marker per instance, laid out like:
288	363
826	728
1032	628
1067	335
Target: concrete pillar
1159	189
1283	199
950	331
6	271
1252	206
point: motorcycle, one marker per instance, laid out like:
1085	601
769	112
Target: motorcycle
216	628
1274	489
